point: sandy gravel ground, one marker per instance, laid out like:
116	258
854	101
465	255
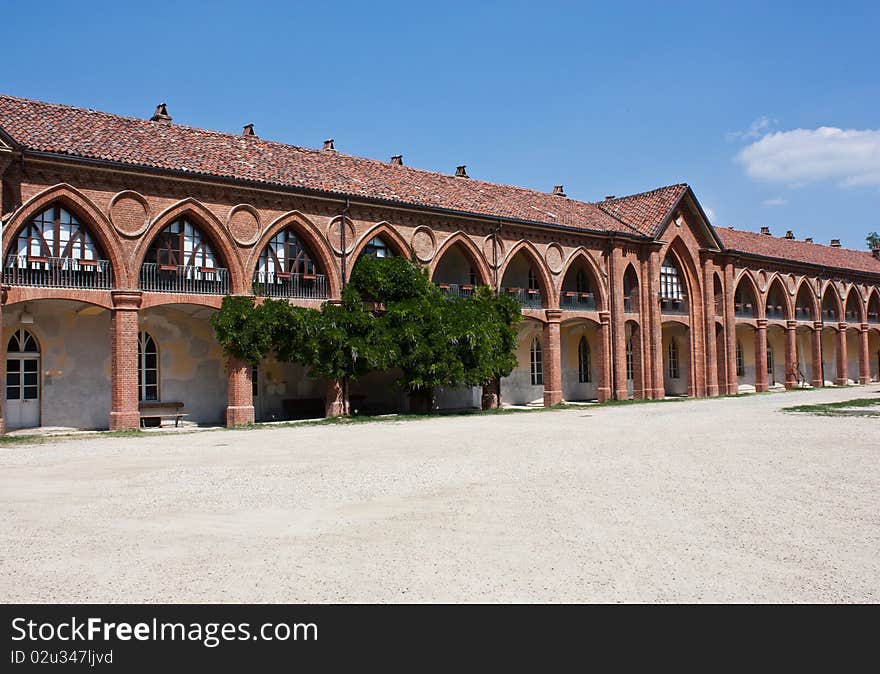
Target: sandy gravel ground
704	500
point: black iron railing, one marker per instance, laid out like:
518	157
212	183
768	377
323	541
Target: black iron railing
456	289
527	297
307	286
184	279
57	272
577	301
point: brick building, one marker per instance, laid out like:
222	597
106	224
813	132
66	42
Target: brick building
121	236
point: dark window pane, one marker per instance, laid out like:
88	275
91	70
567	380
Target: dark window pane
30	379
150	361
151	377
12	378
152	393
13	346
30	365
13	393
30	392
30	344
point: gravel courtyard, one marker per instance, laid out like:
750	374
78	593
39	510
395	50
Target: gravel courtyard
702	500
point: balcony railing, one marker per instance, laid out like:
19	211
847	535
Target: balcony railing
829	315
852	317
775	312
743	310
307	286
803	314
456	289
873	317
673	306
57	272
165	278
577	301
527	297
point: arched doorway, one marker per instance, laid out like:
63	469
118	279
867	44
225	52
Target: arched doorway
22	380
676	359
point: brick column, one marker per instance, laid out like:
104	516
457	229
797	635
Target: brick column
239	393
655	327
618	345
123	360
864	356
709	311
2	363
841	355
603	387
552	355
761	356
335	406
646	320
818	374
730	331
791	362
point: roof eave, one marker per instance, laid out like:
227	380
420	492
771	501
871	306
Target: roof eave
707	225
799	263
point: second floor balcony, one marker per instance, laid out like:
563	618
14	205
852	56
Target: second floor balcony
305	286
775	312
577	301
803	314
743	310
186	279
527	297
57	272
678	306
457	289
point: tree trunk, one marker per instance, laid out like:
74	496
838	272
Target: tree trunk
491	399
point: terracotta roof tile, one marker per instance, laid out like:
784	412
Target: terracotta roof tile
78	132
646	211
792	250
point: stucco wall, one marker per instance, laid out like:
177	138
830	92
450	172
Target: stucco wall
680	333
572	389
517	389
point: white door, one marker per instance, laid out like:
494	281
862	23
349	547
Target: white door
23	392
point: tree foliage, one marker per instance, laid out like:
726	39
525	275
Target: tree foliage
873	240
391	316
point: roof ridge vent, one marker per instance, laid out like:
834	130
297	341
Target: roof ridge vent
809	239
558	191
609	197
328	145
248	130
835	243
765	231
161	114
460	171
789	234
397	160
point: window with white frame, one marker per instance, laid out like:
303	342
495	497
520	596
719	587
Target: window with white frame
740	361
585	367
54	233
148	368
670	280
629	359
673	359
533	280
537	363
377	247
285	254
181	244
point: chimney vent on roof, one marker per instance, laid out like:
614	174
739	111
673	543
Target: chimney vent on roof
875	251
789	234
328	144
835	243
809	239
161	114
609	197
397	160
248	130
460	171
557	190
765	231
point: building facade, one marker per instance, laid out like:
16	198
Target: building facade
121	236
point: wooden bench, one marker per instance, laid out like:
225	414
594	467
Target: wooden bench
161	410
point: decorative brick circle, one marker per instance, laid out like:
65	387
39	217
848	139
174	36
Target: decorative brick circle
243	223
487	250
334	236
554	258
423	243
130	213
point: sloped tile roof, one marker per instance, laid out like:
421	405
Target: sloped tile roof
793	250
646	211
83	133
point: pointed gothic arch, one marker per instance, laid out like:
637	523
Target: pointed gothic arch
747	297
582	256
854	308
832	307
388	234
547	287
776	293
805	298
475	256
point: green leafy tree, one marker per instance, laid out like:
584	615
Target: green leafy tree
873	240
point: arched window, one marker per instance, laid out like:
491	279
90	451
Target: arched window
629	359
533	280
286	269
770	364
22	380
377	247
55	250
585	367
740	361
670	280
22	341
148	368
673	359
537	363
181	244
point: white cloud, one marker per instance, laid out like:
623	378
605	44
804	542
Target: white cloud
801	156
777	201
758	128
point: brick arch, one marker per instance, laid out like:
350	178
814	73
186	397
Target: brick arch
747	278
815	308
312	237
583	254
679	250
151	300
33	295
830	287
547	287
474	253
860	303
873	296
89	216
210	226
776	280
392	237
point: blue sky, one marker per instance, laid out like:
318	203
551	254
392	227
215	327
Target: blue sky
768	110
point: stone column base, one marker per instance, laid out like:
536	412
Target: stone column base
552	398
239	415
862	380
712	391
